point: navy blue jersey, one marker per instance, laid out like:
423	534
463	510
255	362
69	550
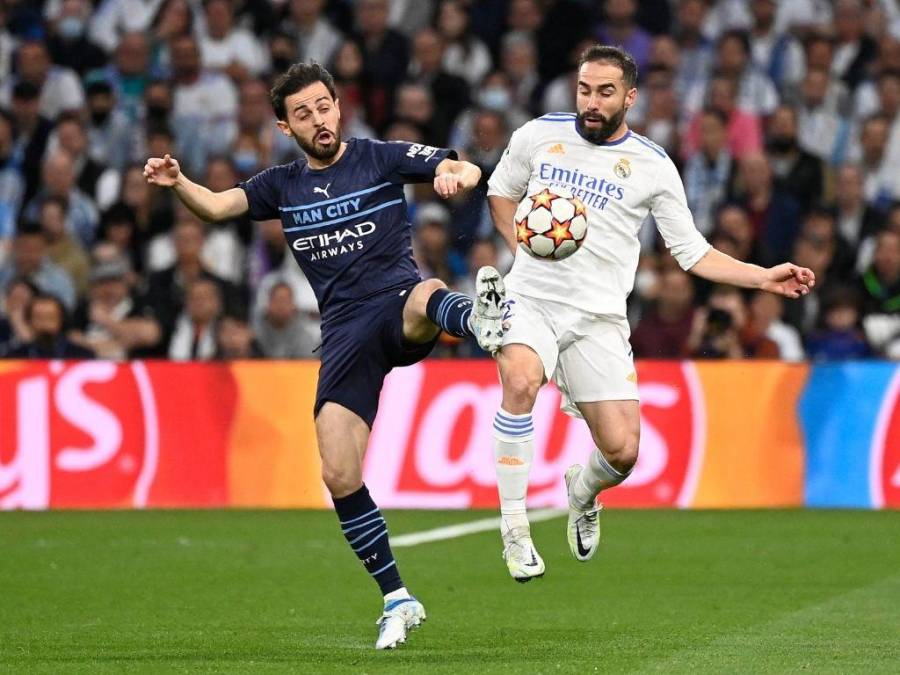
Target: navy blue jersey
346	224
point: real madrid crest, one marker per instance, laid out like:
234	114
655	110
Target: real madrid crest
622	168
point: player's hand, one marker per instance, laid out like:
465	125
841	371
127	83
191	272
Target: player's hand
446	185
162	171
789	280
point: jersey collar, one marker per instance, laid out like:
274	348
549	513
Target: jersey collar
602	143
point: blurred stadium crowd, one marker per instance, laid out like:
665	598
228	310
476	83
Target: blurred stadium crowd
781	116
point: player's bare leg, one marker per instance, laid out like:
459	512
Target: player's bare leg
342	436
432	305
521	374
417	327
615	427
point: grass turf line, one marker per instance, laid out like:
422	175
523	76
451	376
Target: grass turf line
244	591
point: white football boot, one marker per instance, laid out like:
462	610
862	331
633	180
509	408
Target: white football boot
399	617
487	315
583	529
521	556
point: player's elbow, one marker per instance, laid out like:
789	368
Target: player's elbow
225	205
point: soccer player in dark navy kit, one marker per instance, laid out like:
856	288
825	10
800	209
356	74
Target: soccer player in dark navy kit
344	218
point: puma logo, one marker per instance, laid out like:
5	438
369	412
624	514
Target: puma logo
323	190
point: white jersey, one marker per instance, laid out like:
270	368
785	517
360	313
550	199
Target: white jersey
619	183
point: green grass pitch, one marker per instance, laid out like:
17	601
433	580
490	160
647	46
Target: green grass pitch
272	592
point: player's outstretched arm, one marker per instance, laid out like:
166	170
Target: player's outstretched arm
453	177
204	203
786	279
503	211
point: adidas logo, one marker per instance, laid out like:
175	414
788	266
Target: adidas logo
510	461
557	149
632	377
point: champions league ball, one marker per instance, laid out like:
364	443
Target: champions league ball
551	226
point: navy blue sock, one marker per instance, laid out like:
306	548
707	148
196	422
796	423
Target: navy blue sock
366	532
450	311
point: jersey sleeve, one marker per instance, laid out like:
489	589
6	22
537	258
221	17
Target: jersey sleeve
510	178
263	191
410	162
674	220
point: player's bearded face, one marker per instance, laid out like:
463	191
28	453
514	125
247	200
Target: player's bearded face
314	121
596	127
321	142
602	98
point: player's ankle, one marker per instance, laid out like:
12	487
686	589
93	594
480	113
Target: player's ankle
400	594
512	520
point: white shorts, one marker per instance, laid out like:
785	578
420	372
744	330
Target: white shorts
587	355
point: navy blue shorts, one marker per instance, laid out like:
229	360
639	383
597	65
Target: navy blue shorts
360	349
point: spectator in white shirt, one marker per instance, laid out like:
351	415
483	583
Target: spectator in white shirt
60	87
317	39
775	51
227	48
204	109
113	18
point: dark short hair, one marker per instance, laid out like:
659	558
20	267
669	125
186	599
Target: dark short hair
718	114
298	76
25	91
281	283
70	116
61	202
95	87
888	74
615	56
43	296
21	281
29	228
741	36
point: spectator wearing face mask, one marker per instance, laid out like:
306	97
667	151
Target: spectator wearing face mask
114	138
494	94
67	39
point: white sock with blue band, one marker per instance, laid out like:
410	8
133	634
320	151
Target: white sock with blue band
513	452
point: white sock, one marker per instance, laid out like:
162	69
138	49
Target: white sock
513	452
598	474
400	594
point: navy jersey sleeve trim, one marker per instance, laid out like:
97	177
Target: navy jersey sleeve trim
264	192
403	162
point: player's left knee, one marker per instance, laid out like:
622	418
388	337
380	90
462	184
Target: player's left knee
418	304
431	285
621	452
428	287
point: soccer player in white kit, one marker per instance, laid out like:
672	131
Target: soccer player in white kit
566	319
